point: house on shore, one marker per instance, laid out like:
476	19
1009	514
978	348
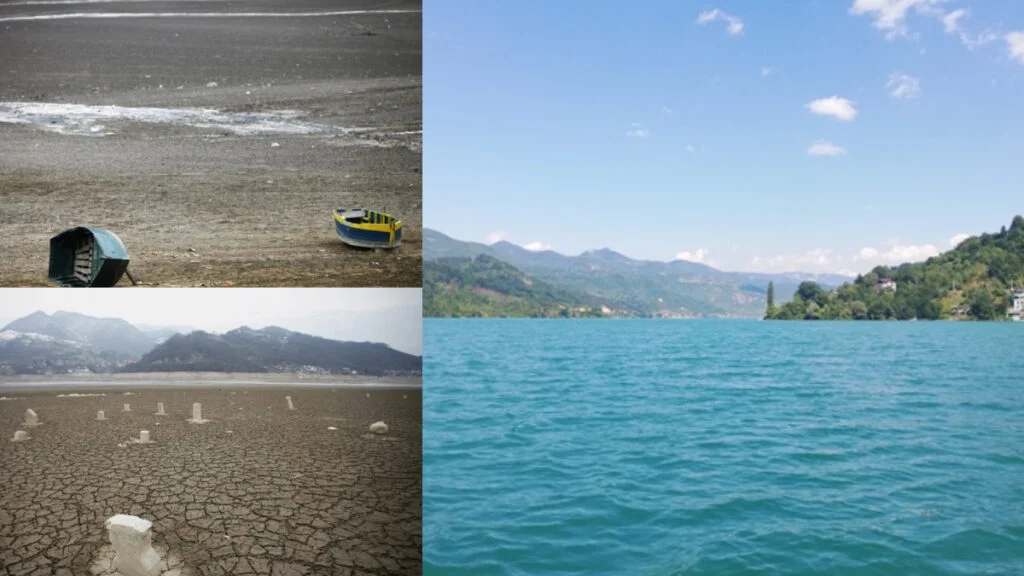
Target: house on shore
885	284
1016	308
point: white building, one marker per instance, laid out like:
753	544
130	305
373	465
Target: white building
886	284
1017	307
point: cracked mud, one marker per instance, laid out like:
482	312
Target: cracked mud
259	489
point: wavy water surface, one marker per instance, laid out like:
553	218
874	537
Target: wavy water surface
723	447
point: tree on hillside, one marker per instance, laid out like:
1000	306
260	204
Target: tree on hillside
812	292
771	299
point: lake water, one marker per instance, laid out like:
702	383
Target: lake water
723	447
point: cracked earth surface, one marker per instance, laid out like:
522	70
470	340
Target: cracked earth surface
258	489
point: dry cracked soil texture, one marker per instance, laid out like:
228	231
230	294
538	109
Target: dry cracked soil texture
258	489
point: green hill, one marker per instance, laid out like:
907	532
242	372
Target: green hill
971	281
487	287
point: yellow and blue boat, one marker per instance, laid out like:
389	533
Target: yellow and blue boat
367	228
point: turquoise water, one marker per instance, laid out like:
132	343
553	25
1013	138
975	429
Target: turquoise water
723	447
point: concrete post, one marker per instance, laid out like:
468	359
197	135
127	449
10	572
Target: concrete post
31	419
197	414
133	542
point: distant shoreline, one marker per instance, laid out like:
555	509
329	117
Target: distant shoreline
204	379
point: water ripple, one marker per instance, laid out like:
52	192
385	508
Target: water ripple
646	447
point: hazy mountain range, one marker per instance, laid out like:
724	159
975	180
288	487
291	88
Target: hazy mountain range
68	342
108	334
635	287
273	349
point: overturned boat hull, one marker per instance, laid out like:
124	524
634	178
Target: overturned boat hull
85	257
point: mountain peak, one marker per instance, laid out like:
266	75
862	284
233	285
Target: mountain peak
606	254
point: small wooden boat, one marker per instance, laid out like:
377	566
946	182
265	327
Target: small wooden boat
367	228
87	257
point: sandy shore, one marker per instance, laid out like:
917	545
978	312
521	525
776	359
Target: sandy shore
297	116
258	489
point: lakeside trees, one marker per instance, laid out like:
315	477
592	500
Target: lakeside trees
973	280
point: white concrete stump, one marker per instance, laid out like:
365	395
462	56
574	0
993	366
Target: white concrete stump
379	428
144	437
197	414
133	542
31	419
160	409
19	436
127	408
290	405
100	415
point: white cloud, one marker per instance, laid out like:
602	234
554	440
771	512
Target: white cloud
957	239
901	85
951	21
817	260
891	15
496	236
896	254
637	132
766	70
666	110
700	255
951	24
823	148
734	25
690	148
986	37
537	246
1015	43
826	260
834	106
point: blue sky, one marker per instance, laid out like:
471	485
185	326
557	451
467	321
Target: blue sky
708	130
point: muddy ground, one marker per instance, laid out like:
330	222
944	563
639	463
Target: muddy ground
201	205
258	489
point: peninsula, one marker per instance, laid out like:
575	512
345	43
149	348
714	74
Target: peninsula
982	278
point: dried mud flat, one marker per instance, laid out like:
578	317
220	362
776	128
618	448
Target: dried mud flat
258	489
215	147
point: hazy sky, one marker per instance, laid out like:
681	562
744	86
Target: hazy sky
389	315
828	135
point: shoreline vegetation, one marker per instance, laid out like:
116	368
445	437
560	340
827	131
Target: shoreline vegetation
979	279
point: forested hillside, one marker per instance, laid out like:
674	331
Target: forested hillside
487	287
971	281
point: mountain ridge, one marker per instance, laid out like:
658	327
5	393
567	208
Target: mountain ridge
60	350
273	349
676	288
